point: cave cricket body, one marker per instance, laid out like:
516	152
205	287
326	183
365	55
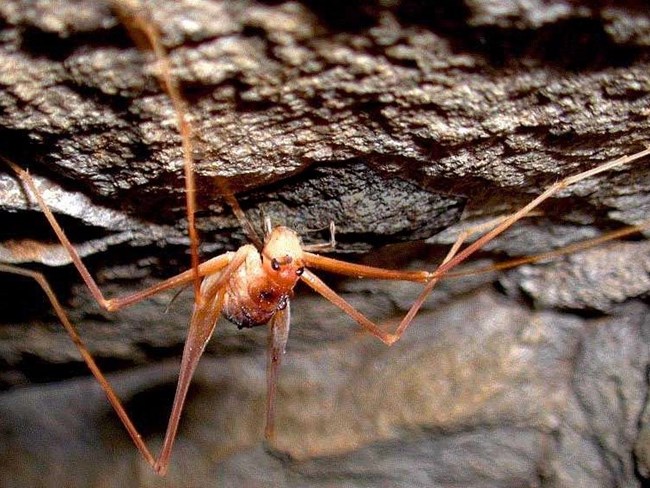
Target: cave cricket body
254	285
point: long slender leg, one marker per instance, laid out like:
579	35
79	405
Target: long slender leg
211	266
317	285
204	319
550	191
362	271
278	335
386	337
453	258
201	327
371	272
87	357
569	249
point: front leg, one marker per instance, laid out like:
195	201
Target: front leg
278	336
206	312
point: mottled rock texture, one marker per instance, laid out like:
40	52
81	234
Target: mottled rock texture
388	118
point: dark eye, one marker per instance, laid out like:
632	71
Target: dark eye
300	271
275	264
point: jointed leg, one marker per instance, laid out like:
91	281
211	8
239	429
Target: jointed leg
550	191
544	256
316	284
362	271
325	246
211	266
342	267
146	36
371	272
278	336
204	319
207	303
87	357
453	258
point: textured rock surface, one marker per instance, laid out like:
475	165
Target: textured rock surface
385	117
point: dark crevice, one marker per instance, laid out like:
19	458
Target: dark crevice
146	261
149	203
32	225
49	45
244	105
195	90
572	44
118	104
575	43
344	15
22	299
369	111
446	16
22	148
38	370
159	353
149	409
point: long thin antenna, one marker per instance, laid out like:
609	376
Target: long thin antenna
146	36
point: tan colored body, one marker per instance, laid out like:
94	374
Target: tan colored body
261	286
248	300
